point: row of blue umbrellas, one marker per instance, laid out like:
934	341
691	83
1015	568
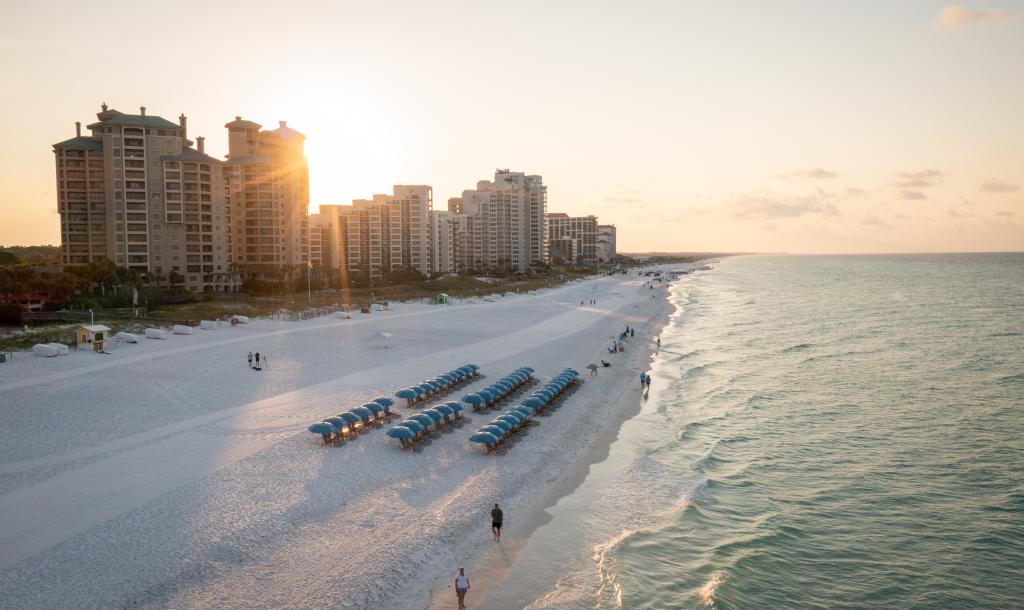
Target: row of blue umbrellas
493	393
420	425
344	425
501	427
430	387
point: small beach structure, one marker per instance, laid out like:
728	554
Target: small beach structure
181	329
92	334
156	333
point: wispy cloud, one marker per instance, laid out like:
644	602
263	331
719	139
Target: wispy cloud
957	17
918	180
621	199
912	195
625	195
770	206
814	173
1005	213
998	186
872	220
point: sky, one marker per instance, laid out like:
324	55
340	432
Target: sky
788	126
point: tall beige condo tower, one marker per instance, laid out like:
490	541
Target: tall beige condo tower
137	193
506	220
269	189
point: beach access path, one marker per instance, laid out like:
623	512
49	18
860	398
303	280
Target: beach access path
169	474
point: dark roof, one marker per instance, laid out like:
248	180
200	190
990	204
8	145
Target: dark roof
191	154
80	143
137	120
240	122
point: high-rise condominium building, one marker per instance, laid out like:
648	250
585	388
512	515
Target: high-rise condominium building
269	189
374	236
606	243
135	191
506	221
450	242
573	238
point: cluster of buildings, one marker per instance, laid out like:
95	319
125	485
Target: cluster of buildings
137	191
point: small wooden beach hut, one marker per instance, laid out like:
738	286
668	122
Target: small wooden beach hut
94	334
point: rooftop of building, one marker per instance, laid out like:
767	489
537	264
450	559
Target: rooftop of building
110	116
80	142
240	123
191	154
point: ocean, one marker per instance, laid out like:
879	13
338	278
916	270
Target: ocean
822	432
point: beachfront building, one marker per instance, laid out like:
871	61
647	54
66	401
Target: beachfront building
269	191
572	239
506	224
325	244
373	237
135	192
450	241
605	243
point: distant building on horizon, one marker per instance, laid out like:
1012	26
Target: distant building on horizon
572	238
137	193
605	240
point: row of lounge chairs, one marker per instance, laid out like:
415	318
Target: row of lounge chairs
347	425
442	383
420	426
503	427
496	392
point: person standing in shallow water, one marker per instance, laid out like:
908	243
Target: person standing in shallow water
497	518
250	359
461	586
257	360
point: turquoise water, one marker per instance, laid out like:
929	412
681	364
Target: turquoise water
826	432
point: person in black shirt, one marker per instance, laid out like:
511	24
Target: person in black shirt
496	519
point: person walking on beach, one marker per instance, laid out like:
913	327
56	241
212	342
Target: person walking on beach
462	585
632	333
648	381
497	517
643	379
250	359
659	342
257	360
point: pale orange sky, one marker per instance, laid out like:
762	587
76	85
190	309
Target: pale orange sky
810	126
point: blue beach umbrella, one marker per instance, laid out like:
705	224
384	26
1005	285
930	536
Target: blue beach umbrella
383	401
350	417
365	413
434	414
406	393
504	425
337	422
534	403
515	420
485	438
372	406
494	430
323	428
413	425
444	410
524	411
401	432
426	420
473	399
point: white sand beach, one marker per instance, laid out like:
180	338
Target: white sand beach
169	474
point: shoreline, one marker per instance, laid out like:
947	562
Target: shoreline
488	563
240	507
